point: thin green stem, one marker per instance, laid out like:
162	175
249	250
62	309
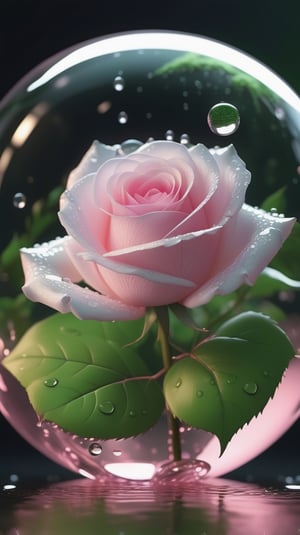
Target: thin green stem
162	315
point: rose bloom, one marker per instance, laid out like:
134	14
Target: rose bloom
163	224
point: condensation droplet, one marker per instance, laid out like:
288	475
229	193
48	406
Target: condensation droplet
200	394
107	407
51	382
95	448
122	117
19	200
169	135
119	83
223	119
117	453
250	388
178	382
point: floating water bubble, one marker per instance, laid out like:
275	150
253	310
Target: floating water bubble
119	83
169	135
95	448
122	117
184	139
107	407
250	388
223	119
51	382
19	200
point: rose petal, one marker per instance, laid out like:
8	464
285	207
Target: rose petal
248	243
96	155
230	194
81	217
49	273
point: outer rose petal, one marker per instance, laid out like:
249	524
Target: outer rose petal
96	155
49	273
248	244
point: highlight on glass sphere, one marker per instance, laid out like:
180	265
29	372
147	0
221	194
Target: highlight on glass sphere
222	133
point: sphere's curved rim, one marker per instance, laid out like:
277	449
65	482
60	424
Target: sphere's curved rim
168	40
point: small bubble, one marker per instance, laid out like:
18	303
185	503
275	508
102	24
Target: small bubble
119	83
51	382
178	382
117	453
250	388
184	139
122	117
107	407
132	414
19	200
223	119
169	135
95	448
200	394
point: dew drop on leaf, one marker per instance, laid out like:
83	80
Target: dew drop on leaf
51	382
107	407
95	448
178	382
250	388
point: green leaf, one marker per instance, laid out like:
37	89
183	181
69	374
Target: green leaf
287	259
231	377
80	375
276	200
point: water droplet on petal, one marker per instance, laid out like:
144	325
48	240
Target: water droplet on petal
122	117
51	382
19	200
250	388
119	83
107	407
223	119
95	448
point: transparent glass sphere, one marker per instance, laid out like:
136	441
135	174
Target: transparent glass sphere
128	89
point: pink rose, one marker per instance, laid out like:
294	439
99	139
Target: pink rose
163	224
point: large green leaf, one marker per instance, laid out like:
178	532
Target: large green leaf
83	376
230	377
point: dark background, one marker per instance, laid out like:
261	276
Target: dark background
33	30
